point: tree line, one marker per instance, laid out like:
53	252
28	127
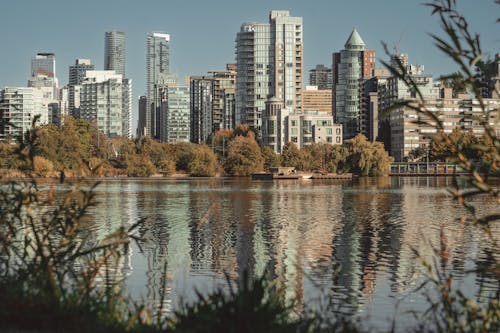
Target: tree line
77	148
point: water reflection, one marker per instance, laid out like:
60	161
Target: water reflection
359	241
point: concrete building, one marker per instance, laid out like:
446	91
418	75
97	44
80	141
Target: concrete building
369	117
269	59
212	103
18	108
76	75
174	114
350	67
315	99
105	101
157	64
411	130
114	52
280	126
312	127
322	77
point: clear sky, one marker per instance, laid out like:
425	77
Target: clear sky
203	31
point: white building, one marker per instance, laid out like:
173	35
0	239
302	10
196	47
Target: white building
105	101
269	63
175	114
280	126
18	108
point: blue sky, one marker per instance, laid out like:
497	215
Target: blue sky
203	31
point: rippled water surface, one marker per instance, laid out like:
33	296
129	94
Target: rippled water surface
355	241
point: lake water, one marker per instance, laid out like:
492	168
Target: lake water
356	241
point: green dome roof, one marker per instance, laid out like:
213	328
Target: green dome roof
354	41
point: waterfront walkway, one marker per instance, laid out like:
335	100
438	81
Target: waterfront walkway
424	169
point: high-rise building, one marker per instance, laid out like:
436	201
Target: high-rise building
174	114
269	59
44	66
350	67
141	124
18	108
105	101
76	76
212	103
157	64
114	52
78	70
322	77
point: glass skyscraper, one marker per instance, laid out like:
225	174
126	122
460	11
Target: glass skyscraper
157	66
114	52
350	67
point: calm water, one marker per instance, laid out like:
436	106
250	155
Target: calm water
352	240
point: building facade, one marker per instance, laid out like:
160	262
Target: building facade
212	103
114	52
269	59
105	101
18	108
76	76
350	67
315	99
43	65
411	130
174	115
322	77
280	126
157	65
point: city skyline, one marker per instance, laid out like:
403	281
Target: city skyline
195	25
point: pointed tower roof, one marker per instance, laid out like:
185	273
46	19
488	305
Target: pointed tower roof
354	41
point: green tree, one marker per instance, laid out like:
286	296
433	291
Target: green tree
271	159
367	158
243	156
290	155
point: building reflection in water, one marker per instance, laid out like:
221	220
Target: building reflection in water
356	241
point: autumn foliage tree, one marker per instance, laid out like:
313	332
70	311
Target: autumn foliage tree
243	156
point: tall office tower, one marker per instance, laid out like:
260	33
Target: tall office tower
157	63
44	66
76	75
174	114
141	123
201	115
350	67
114	52
18	107
269	63
212	103
322	77
105	101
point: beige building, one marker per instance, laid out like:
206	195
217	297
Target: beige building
280	126
314	99
410	130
